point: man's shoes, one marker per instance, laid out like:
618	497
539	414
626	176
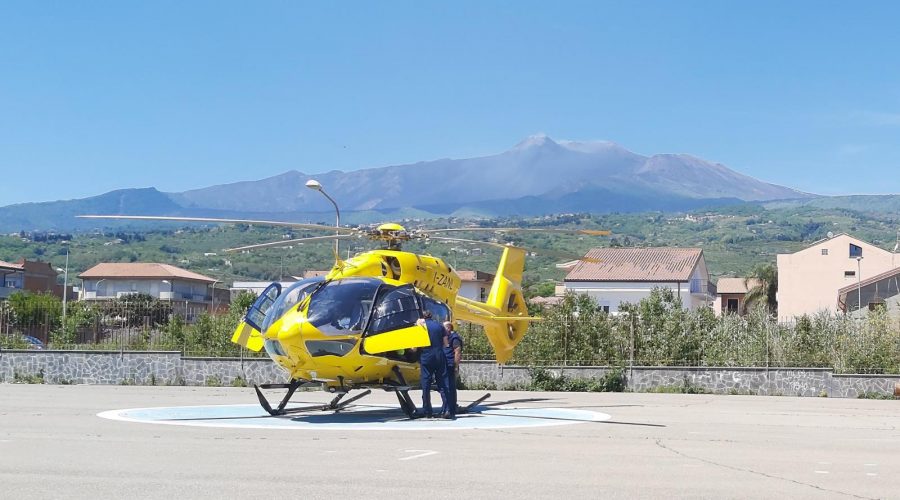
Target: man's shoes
420	414
448	416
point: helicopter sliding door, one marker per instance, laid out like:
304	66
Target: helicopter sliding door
392	329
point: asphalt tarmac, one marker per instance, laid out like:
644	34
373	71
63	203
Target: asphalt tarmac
53	444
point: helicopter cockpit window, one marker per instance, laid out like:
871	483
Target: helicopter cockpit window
439	311
291	296
341	307
256	314
396	308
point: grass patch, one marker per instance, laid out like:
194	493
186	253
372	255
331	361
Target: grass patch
28	378
875	395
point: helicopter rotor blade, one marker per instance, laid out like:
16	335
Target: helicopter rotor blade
589	232
282	243
296	225
463	240
539	252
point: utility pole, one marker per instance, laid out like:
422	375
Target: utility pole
858	283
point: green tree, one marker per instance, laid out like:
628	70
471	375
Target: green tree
35	314
765	290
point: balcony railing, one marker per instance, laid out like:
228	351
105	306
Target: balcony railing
702	287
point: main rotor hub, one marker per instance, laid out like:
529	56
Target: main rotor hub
392	234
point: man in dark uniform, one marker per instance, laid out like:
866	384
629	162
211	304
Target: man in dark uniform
433	362
453	352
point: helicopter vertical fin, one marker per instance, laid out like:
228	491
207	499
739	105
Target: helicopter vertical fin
506	296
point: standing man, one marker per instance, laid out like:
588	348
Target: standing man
453	352
433	363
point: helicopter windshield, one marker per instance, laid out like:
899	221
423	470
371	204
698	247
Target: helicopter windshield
291	296
341	307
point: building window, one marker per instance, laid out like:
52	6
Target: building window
855	251
824	251
605	309
732	306
849	274
482	295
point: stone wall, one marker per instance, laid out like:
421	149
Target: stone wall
758	381
170	368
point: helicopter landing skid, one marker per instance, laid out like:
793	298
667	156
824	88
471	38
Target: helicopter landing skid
469	407
335	405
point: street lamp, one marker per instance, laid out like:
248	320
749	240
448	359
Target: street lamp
212	293
858	283
316	185
65	285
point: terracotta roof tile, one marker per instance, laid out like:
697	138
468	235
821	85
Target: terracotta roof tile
735	285
10	265
141	270
637	264
466	275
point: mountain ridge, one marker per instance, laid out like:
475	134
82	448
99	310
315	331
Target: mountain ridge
537	175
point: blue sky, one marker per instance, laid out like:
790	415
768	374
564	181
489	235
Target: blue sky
96	96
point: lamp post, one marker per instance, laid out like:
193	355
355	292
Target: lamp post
316	185
212	294
858	283
65	285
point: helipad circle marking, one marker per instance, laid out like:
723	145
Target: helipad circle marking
357	417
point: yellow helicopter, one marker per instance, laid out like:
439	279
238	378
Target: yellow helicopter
356	327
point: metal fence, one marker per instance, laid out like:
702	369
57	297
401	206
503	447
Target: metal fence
563	338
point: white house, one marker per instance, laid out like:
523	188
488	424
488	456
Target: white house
188	292
475	285
616	275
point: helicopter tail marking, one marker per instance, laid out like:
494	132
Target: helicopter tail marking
247	336
504	333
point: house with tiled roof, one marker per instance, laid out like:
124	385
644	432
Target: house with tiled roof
613	276
189	292
12	278
731	293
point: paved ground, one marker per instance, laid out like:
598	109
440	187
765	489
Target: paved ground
52	445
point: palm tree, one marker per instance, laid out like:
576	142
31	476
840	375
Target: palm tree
762	286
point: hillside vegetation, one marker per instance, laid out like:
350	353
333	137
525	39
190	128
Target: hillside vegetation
734	240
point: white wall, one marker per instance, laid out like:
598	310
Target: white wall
472	289
111	287
613	294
